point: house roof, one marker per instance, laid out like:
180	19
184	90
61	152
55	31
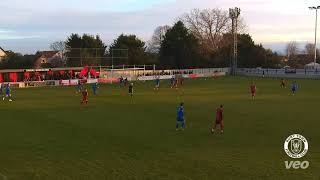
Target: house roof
313	64
47	54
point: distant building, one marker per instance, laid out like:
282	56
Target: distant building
3	54
312	66
48	57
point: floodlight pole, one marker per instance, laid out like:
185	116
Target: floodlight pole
112	58
315	33
234	14
315	38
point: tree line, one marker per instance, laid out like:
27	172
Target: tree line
298	57
200	38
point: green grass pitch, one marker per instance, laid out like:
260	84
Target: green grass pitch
46	134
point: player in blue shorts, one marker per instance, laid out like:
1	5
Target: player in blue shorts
294	88
172	82
126	82
131	89
180	117
121	81
8	93
94	88
157	86
79	86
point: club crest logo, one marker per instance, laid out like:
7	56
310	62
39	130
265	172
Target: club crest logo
296	146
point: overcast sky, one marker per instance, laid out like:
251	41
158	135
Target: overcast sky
30	25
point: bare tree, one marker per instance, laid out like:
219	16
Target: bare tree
242	26
58	46
292	50
155	43
309	50
209	25
57	62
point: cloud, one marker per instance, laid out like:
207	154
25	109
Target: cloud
82	5
12	35
2	31
48	21
15	37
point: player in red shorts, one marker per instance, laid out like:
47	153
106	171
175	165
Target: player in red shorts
85	95
219	120
253	89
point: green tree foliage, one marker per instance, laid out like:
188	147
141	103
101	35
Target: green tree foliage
250	55
84	50
179	49
17	61
129	49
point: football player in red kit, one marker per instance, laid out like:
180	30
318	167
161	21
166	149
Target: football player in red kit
219	120
253	89
85	95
